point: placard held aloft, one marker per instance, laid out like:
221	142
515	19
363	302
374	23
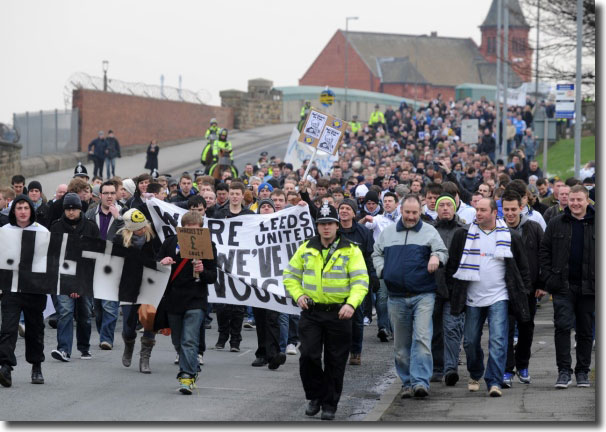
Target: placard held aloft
194	243
323	132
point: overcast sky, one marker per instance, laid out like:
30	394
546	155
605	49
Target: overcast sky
214	45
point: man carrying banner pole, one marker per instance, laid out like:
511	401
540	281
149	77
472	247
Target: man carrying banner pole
22	216
328	278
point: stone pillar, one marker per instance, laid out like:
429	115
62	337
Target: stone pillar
10	162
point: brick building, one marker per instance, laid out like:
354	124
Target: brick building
420	66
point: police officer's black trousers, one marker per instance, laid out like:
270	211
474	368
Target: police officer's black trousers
319	331
268	333
32	306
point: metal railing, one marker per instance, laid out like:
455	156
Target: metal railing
47	132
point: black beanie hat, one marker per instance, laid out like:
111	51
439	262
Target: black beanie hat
371	196
266	201
72	201
351	203
35	184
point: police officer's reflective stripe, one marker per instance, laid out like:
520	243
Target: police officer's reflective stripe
357	273
309	286
294	270
335	276
360	282
292	276
309	273
336	289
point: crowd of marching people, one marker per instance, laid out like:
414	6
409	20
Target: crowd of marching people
427	235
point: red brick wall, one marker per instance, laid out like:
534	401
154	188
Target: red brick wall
523	68
137	120
329	68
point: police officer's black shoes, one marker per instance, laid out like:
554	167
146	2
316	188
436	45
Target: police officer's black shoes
313	407
277	360
382	335
5	376
328	413
37	377
259	361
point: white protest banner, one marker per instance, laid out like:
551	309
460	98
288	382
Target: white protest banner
469	131
43	263
515	96
253	248
297	153
231	290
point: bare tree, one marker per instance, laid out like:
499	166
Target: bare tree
558	39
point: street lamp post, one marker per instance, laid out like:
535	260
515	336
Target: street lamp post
346	40
105	67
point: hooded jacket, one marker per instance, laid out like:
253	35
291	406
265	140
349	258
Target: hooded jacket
12	218
447	230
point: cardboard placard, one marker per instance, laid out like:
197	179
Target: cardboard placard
194	243
323	131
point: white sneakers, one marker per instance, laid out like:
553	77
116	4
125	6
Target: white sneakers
291	349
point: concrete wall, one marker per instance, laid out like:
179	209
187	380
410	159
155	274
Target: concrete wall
260	106
136	120
10	162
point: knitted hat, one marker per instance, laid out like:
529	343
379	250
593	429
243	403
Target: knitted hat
134	220
446	197
97	190
351	203
129	185
266	201
265	185
71	201
361	191
372	196
34	185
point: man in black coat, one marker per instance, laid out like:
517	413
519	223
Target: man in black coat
567	257
112	152
532	234
96	151
363	238
73	222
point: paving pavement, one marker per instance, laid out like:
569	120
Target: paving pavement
186	157
229	388
539	401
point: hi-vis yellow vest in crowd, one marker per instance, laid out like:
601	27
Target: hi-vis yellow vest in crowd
344	278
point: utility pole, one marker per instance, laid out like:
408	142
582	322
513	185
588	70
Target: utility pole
346	64
536	67
105	65
498	103
578	122
503	146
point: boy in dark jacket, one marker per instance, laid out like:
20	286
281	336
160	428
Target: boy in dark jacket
73	222
186	300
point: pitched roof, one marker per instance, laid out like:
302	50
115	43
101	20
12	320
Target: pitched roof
437	60
516	16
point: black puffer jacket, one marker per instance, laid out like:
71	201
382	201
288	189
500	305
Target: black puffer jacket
517	276
82	226
554	254
532	234
447	230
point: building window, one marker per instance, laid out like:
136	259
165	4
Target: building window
491	45
518	45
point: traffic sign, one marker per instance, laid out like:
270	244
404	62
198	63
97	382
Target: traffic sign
565	101
327	97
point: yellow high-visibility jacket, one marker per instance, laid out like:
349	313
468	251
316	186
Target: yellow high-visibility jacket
344	278
376	117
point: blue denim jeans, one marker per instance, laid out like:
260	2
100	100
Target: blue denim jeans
357	330
411	318
129	323
498	327
289	330
110	163
381	306
453	334
185	335
106	317
65	323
